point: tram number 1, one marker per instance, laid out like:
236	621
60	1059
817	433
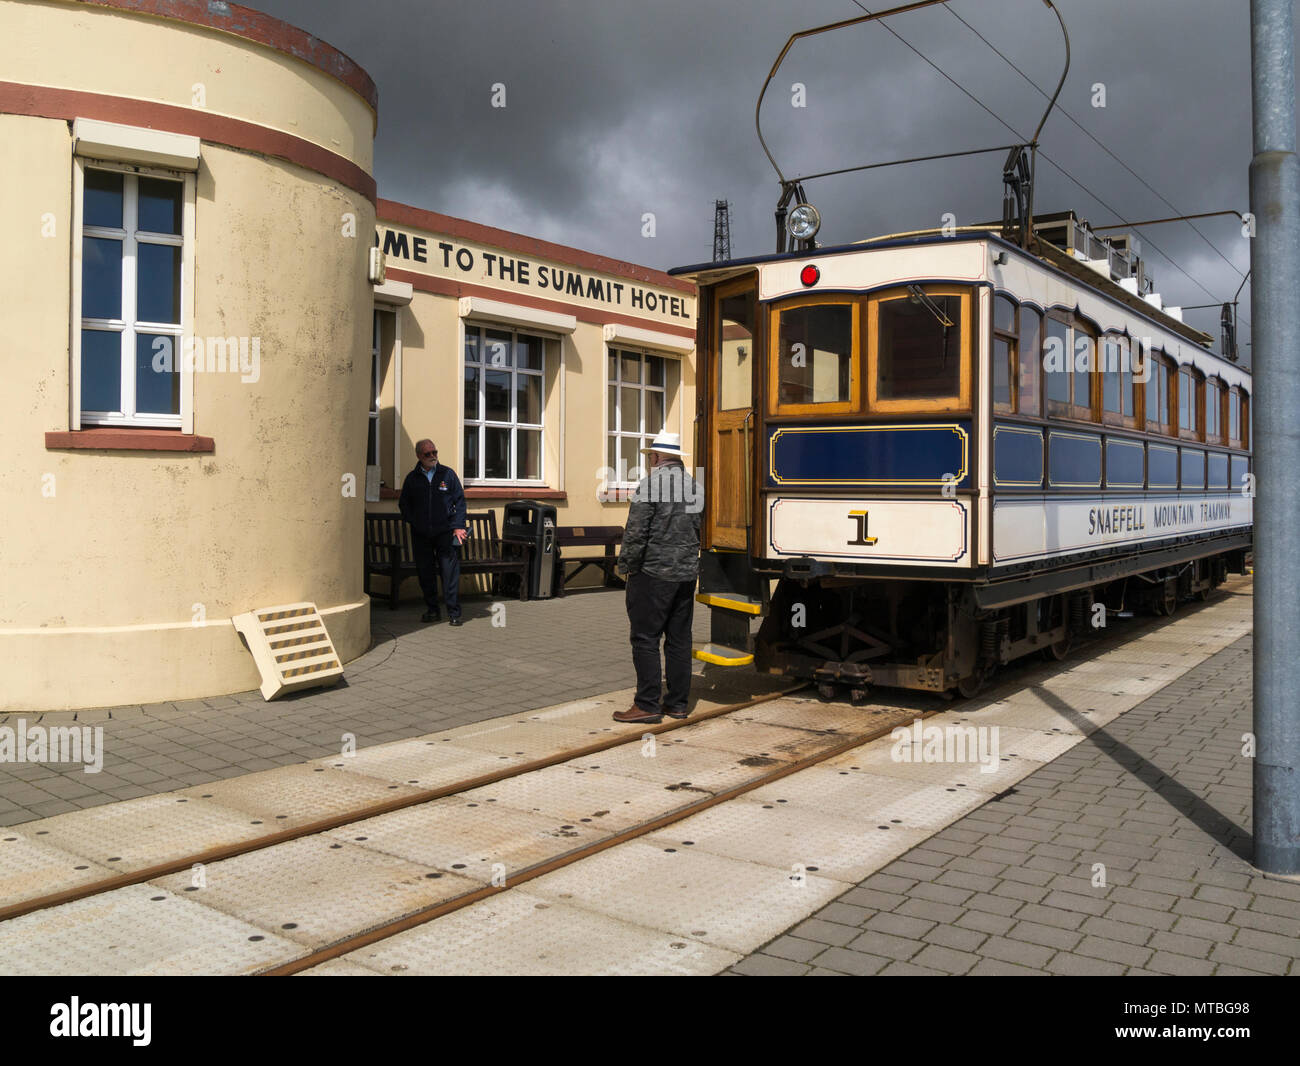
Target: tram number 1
860	517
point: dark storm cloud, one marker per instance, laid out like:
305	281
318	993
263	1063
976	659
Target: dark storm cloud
616	109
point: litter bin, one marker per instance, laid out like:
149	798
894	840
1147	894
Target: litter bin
530	522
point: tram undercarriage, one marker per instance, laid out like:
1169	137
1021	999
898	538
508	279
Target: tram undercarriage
851	633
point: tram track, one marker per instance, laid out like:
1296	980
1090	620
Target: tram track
438	910
360	814
832	730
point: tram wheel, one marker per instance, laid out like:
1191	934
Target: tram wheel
1054	653
1204	594
1167	603
970	687
826	691
857	697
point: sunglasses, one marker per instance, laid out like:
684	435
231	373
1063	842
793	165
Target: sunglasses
426	455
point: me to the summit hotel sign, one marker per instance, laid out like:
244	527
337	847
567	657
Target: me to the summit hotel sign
459	260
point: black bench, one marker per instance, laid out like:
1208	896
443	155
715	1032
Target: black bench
484	552
608	537
389	552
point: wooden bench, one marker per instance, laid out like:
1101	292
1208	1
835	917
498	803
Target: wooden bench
484	552
608	537
389	552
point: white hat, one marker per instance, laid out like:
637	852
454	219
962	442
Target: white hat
666	444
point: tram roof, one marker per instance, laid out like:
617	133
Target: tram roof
1049	255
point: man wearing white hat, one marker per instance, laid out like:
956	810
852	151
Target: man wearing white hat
661	557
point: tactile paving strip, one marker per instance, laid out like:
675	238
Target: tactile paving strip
426	764
141	929
864	798
816	716
30	868
523	933
791	838
689	893
317	890
342	967
1034	745
583	797
878	758
756	738
523	739
294	795
468	835
144	832
689	772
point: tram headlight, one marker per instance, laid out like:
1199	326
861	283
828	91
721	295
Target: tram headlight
803	222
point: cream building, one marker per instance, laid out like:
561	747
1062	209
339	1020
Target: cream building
539	370
205	385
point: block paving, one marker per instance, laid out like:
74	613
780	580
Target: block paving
1161	798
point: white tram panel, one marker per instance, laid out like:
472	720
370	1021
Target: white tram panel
960	262
1035	528
890	531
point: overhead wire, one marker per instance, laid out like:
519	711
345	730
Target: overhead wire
1065	173
1096	140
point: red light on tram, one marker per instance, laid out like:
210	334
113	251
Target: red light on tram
809	275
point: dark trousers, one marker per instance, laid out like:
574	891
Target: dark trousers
441	555
658	608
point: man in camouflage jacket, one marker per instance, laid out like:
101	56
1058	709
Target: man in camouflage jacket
661	558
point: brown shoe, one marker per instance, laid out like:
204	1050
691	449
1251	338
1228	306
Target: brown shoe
637	715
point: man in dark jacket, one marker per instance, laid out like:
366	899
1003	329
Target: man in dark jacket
433	504
661	557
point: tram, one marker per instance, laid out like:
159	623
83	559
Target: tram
932	453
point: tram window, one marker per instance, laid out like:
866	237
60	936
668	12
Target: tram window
919	348
1214	412
735	349
1031	324
814	359
1110	391
1003	358
1189	420
1004	314
1004	354
1159	390
1084	349
1117	399
1056	366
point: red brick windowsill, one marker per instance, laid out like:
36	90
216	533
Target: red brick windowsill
493	492
114	439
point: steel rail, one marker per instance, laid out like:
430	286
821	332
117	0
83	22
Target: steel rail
373	810
528	873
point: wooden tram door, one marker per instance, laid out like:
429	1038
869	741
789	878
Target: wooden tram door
731	413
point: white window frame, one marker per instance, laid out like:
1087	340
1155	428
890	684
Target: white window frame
514	425
129	325
614	418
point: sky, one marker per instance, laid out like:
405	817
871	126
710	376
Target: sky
617	109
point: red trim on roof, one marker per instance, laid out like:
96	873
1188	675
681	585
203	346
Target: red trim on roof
260	29
447	287
42	102
406	215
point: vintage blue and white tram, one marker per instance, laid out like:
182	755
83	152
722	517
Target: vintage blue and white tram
950	451
932	453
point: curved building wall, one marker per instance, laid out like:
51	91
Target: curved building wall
124	558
